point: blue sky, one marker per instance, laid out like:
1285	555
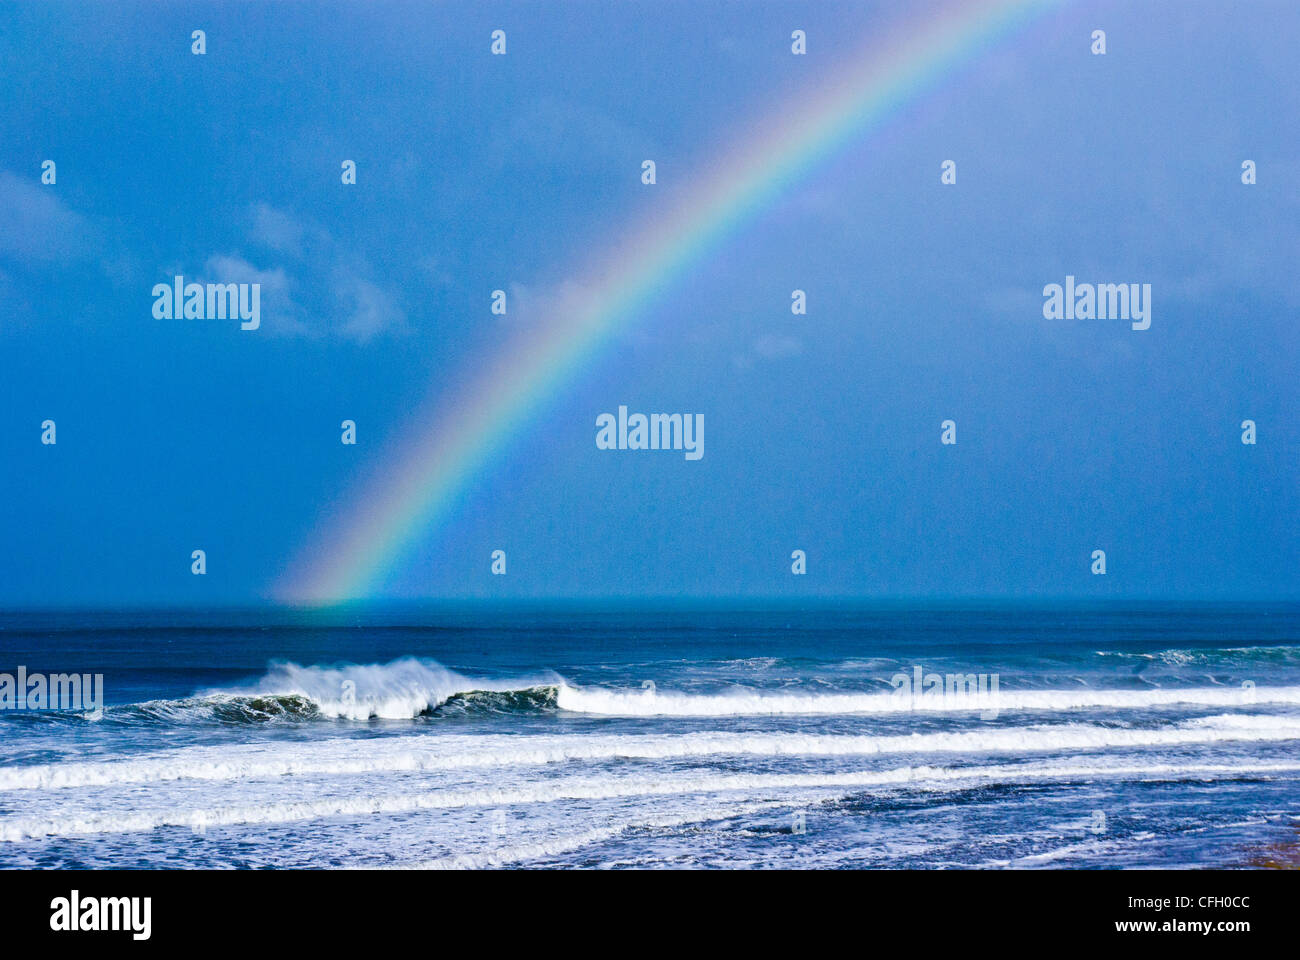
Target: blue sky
478	172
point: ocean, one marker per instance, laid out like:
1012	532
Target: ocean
1020	736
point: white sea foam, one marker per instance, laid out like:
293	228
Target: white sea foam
410	754
740	703
613	788
1185	656
408	687
557	846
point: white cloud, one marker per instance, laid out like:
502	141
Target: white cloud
373	310
322	290
537	305
280	313
35	225
277	230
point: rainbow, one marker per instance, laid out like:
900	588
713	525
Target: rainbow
454	438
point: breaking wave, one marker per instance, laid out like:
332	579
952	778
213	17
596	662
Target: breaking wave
741	703
419	753
398	690
401	690
606	788
409	688
1280	654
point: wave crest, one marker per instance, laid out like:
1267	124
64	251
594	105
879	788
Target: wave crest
401	690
